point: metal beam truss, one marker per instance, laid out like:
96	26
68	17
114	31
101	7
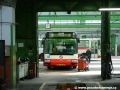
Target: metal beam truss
84	32
114	25
115	21
76	17
10	3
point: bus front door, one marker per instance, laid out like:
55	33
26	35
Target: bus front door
94	49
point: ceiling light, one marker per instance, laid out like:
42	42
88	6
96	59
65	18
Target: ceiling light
109	9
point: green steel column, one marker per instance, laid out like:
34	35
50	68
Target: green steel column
105	32
36	40
11	58
113	40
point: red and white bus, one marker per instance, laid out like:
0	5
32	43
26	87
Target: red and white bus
91	43
60	49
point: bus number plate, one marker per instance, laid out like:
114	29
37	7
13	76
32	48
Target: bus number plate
60	64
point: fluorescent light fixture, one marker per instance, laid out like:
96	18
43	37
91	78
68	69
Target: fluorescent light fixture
109	9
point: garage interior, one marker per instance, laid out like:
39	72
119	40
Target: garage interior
25	22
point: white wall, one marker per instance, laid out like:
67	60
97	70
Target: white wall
7	17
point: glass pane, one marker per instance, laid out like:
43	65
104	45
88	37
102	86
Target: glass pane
94	47
61	46
84	44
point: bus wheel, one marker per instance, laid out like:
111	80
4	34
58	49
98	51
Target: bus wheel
74	67
49	67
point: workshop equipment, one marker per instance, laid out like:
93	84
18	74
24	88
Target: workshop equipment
83	62
30	73
33	66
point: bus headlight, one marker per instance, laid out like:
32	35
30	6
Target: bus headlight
74	61
47	61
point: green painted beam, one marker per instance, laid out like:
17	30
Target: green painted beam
49	13
76	18
39	13
79	26
77	13
55	13
81	14
114	13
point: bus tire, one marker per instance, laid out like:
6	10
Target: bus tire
49	67
74	67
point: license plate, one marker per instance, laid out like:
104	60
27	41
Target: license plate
61	65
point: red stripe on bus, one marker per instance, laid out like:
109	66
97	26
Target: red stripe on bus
60	59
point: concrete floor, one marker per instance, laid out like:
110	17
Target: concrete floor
90	81
48	79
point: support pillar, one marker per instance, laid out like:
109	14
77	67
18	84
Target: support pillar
7	33
105	32
113	45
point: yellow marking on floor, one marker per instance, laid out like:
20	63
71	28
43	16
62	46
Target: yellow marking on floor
99	85
42	86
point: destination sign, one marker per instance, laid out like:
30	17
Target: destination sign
60	34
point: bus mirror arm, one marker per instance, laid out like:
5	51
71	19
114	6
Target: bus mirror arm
78	40
42	57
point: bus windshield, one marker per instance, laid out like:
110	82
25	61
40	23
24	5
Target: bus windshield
61	46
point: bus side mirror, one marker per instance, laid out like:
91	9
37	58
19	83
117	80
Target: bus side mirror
41	57
98	42
43	42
